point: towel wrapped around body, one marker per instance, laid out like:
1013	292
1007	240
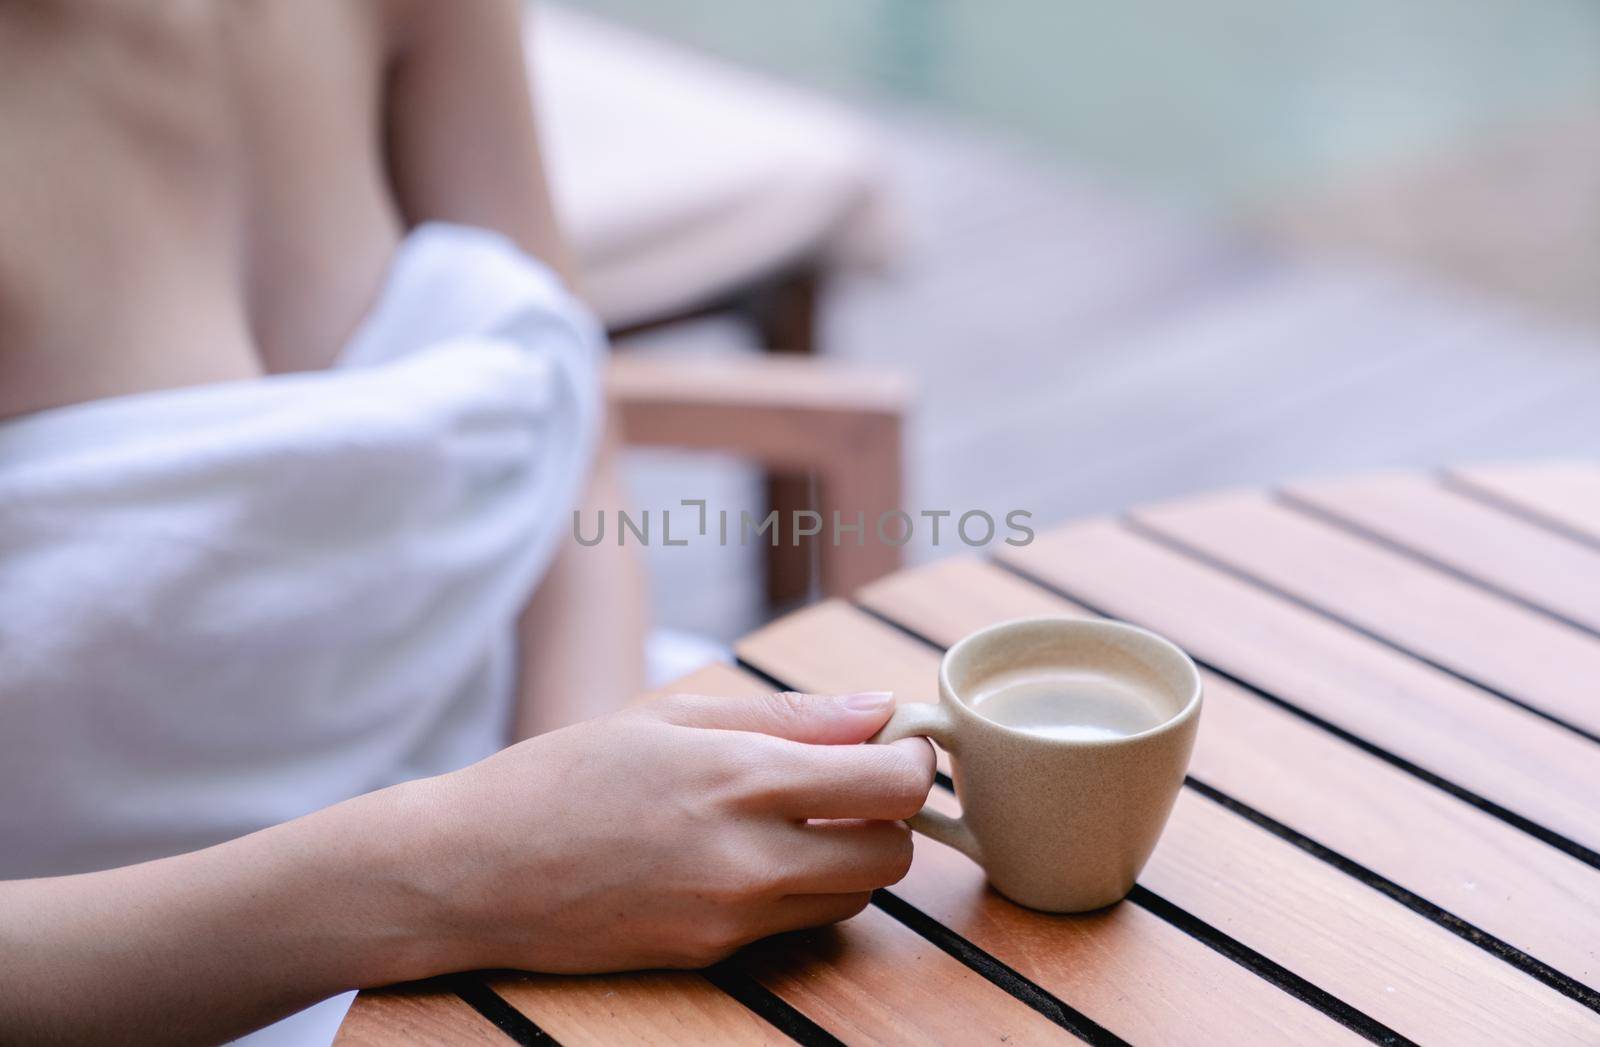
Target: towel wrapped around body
225	606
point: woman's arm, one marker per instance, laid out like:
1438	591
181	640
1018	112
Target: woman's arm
664	836
463	148
206	946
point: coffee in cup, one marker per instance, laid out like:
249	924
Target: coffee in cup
1076	705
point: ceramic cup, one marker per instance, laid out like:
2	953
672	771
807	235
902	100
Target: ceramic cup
1059	824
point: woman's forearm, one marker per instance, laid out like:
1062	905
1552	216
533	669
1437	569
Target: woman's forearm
205	946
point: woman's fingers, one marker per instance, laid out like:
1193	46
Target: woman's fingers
843	857
838	781
834	719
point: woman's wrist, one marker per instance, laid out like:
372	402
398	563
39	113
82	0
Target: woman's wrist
392	889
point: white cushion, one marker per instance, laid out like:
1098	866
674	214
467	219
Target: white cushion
678	178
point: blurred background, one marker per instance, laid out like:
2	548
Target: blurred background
1123	251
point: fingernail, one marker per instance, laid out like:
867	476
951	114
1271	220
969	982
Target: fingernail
869	701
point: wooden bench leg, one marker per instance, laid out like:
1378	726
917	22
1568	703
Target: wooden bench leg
789	566
784	315
862	484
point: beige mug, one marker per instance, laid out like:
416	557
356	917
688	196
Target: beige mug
1061	818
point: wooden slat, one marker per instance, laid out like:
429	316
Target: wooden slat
651	1007
1520	761
1439	847
872	980
1387	961
1547	664
415	1014
1565	495
1469	535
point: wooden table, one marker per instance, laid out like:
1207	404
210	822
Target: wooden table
1391	829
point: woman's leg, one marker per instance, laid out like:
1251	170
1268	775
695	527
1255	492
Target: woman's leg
581	635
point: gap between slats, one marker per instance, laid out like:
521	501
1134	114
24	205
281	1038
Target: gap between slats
996	973
1505	503
518	1026
769	1006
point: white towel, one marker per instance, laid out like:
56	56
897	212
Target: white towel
225	606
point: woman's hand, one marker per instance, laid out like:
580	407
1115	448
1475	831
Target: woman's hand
664	836
667	835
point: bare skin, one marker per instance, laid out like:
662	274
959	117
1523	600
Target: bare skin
211	190
664	836
203	191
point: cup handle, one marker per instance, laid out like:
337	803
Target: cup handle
927	720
